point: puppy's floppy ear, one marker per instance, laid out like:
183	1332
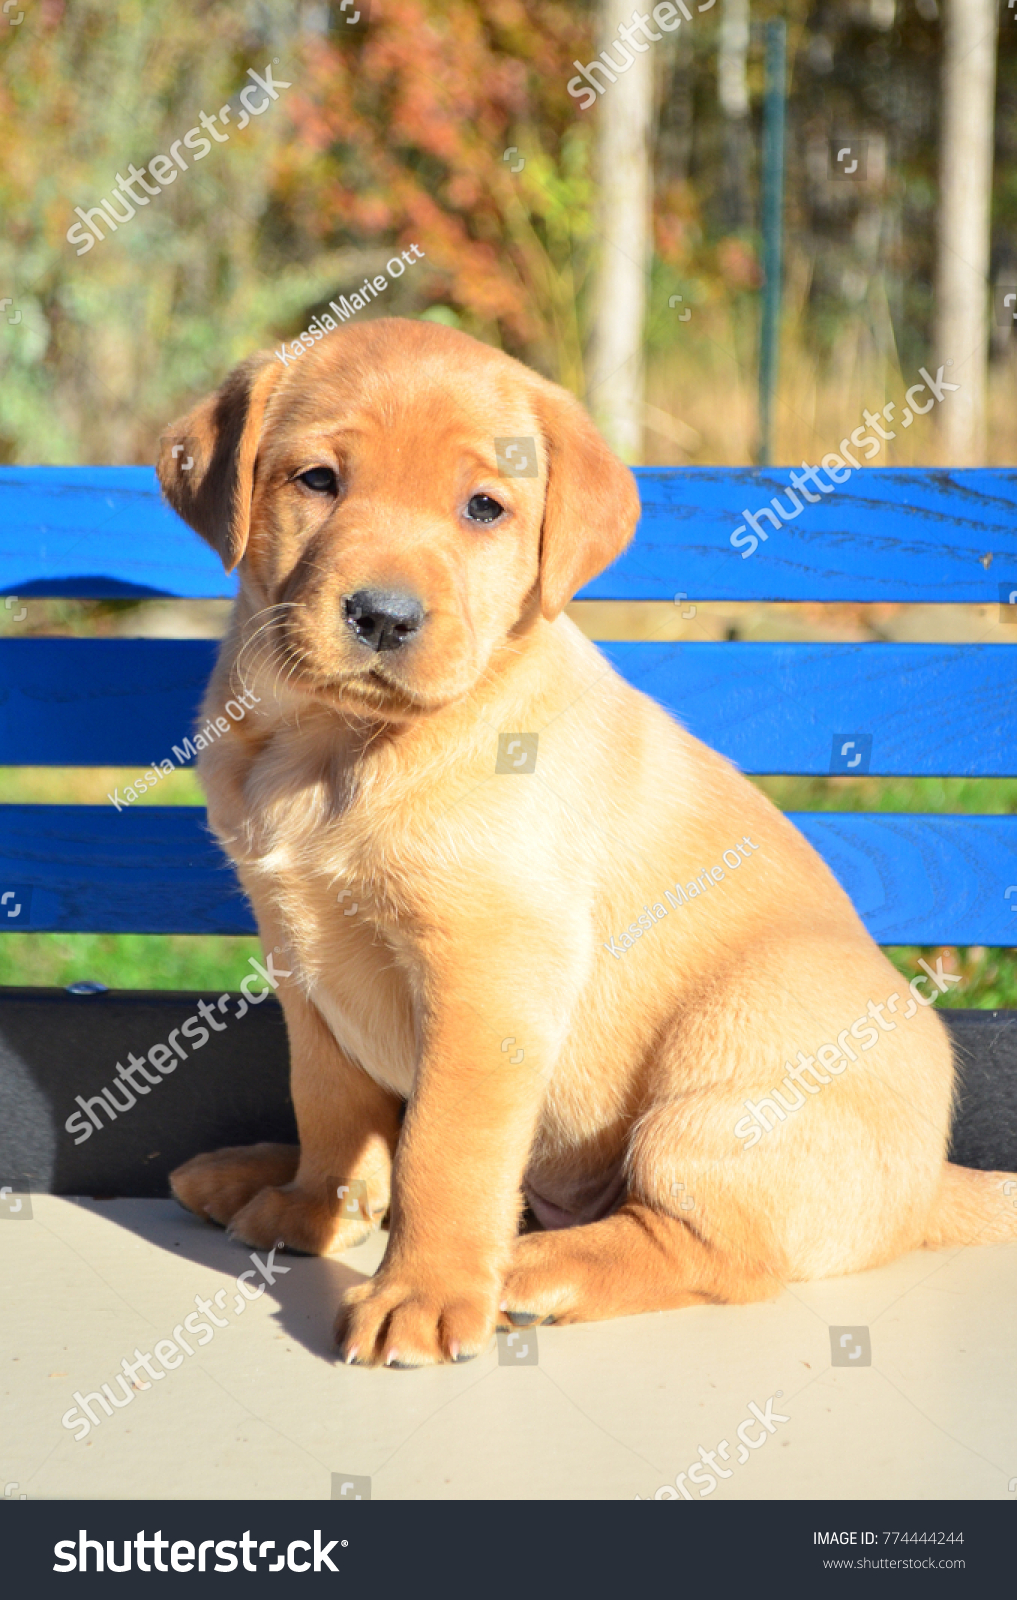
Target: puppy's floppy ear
206	459
591	507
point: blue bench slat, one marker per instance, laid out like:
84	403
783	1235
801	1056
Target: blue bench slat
921	879
915	879
906	534
99	702
933	709
915	534
99	533
92	869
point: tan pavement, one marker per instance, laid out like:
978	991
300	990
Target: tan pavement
261	1410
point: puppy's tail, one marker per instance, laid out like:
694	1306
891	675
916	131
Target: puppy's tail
972	1208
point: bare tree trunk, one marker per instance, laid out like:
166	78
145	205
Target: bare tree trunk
962	273
733	94
624	121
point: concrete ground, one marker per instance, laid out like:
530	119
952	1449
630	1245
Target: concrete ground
608	1411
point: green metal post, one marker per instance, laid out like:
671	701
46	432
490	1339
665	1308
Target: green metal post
772	209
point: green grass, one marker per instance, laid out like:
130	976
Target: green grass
160	961
125	960
989	973
92	786
986	796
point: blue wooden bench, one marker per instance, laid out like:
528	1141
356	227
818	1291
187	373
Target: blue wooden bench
916	709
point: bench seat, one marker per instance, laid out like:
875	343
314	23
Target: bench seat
918	710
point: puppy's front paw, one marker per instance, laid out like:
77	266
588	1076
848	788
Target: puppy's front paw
394	1321
220	1183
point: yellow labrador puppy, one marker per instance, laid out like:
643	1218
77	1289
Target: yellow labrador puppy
600	971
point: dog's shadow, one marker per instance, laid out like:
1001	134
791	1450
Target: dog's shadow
307	1290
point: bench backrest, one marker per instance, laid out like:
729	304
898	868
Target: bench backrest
920	709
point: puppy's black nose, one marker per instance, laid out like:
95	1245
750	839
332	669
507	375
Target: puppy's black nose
383	619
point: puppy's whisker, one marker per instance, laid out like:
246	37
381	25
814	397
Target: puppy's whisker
249	671
270	613
277	605
300	657
265	626
266	650
266	629
296	662
249	675
294	666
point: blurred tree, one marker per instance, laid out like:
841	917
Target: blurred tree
965	199
625	114
867	72
733	95
111	339
451	124
385	136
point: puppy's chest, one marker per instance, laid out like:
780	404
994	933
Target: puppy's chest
355	967
312	860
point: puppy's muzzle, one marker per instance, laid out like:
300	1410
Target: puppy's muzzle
383	619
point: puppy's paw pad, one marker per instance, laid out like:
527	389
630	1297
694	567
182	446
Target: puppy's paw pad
523	1319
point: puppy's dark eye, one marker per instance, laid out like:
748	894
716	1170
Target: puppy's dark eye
320	479
482	508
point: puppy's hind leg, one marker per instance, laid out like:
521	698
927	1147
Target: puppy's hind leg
690	1232
219	1183
637	1260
